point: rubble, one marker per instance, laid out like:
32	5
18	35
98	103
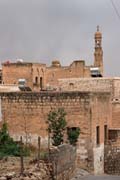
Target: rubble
31	172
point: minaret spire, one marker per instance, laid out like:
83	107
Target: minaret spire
98	54
98	28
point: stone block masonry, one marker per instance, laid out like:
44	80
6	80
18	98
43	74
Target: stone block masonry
64	161
27	112
26	115
104	84
112	159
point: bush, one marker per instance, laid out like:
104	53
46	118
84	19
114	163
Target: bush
73	134
8	147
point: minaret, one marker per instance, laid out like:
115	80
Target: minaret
98	54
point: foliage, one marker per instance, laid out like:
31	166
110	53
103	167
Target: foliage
73	134
56	125
7	145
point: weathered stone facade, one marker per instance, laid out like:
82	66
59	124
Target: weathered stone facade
93	104
33	73
26	114
63	159
111	85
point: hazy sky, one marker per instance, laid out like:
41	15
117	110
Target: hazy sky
44	30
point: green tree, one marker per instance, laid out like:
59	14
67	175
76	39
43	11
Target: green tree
3	134
8	147
56	125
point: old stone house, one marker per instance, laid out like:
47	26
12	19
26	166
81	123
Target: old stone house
26	115
91	103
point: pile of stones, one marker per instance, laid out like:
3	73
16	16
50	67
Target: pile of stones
34	172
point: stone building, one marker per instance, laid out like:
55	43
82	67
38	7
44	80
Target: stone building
91	103
26	115
111	85
40	77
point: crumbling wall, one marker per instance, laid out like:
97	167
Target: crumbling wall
112	159
63	159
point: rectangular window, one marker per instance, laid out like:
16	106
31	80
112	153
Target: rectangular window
113	135
0	110
97	135
105	133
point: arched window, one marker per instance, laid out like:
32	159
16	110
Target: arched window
36	80
71	85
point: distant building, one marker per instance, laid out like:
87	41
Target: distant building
40	77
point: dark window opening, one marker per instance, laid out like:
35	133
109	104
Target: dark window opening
36	80
72	128
97	135
113	135
41	83
96	75
105	134
0	79
71	85
25	88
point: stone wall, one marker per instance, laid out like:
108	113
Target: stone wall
14	71
63	159
29	111
100	117
99	159
9	88
112	159
115	115
75	70
31	72
26	115
92	85
37	74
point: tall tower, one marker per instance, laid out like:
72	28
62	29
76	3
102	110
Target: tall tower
98	54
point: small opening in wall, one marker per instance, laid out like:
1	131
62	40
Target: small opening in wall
36	80
71	85
97	135
41	83
112	135
105	134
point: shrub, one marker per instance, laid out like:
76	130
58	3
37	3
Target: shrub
8	147
73	134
